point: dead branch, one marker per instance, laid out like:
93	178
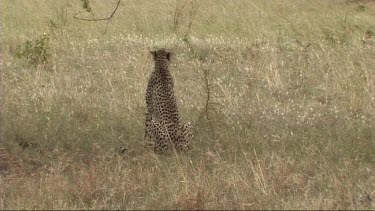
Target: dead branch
98	19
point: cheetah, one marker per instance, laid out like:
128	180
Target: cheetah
164	130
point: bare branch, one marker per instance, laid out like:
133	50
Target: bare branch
98	19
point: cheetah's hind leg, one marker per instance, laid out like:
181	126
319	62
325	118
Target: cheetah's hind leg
158	136
185	137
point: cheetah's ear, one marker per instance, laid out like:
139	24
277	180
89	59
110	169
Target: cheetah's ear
153	54
169	55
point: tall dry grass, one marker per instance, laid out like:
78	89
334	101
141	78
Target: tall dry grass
289	123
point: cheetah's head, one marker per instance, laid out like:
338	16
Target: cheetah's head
161	54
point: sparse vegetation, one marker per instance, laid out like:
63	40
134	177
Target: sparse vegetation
34	52
292	105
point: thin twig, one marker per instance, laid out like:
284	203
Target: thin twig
207	84
106	28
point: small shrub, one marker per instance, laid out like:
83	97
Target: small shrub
331	36
86	5
35	51
362	8
369	33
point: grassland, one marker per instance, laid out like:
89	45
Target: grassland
289	122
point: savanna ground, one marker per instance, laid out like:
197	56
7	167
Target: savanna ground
281	95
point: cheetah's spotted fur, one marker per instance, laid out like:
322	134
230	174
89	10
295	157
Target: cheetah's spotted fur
163	128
